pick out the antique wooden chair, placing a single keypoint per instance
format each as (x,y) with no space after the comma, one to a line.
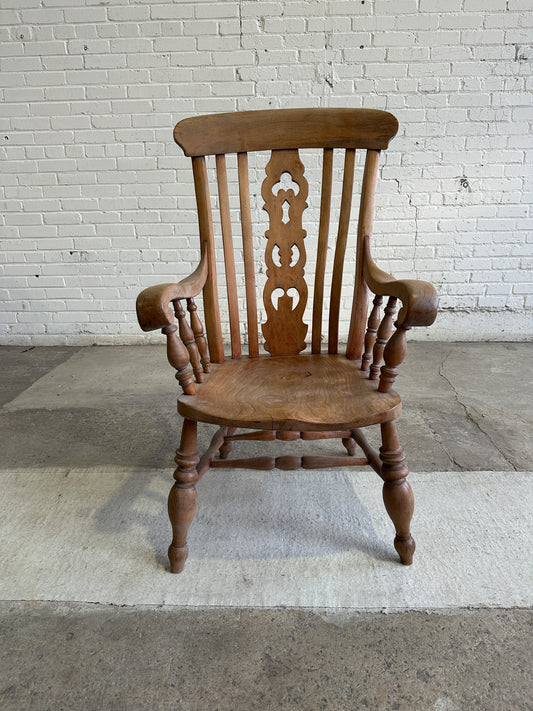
(287,395)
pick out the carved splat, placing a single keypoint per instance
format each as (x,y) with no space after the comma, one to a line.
(284,330)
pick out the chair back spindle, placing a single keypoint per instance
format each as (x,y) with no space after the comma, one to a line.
(248,255)
(207,240)
(322,249)
(229,256)
(364,228)
(340,250)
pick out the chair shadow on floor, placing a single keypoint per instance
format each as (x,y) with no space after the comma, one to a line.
(252,515)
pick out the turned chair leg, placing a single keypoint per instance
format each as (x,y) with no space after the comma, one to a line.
(397,492)
(183,498)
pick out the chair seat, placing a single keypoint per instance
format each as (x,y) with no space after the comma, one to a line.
(303,392)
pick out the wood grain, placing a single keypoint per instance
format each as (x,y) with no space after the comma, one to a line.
(304,392)
(283,129)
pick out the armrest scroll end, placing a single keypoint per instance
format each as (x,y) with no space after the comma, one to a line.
(153,310)
(419,298)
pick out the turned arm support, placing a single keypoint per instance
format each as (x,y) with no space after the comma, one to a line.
(419,308)
(156,308)
(153,309)
(419,298)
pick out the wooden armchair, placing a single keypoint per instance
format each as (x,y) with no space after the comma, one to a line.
(287,395)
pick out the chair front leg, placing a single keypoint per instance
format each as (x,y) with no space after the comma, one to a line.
(397,493)
(183,497)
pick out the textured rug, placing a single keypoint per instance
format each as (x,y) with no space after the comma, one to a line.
(305,539)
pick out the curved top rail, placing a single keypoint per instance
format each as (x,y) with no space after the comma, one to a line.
(281,129)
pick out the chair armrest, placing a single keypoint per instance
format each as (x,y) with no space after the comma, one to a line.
(153,309)
(419,298)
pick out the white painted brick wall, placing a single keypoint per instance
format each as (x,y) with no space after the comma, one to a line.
(97,200)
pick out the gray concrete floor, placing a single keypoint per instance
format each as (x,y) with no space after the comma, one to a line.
(466,407)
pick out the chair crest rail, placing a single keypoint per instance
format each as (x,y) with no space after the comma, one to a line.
(247,131)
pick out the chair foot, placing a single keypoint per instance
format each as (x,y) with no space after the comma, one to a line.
(405,547)
(227,446)
(182,506)
(177,557)
(183,497)
(225,450)
(350,445)
(397,493)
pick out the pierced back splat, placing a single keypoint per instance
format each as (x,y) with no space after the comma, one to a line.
(284,329)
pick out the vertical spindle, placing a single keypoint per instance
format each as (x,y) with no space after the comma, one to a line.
(383,334)
(187,337)
(178,357)
(199,335)
(371,332)
(394,354)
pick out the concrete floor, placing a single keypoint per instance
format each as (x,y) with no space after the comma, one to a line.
(466,407)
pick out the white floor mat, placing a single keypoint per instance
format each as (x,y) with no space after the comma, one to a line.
(263,539)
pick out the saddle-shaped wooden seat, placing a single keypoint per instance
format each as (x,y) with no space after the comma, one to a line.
(294,393)
(298,391)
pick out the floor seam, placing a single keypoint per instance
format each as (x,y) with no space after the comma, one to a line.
(469,416)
